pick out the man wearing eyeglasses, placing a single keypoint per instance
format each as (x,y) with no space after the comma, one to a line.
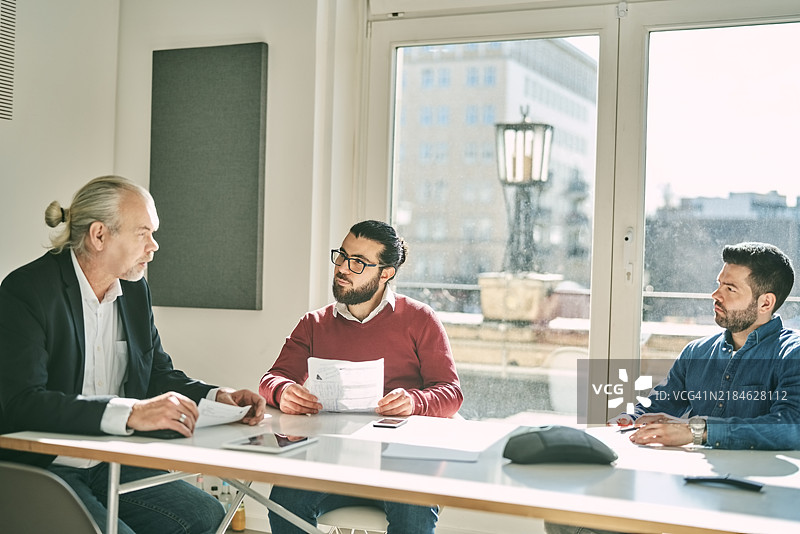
(368,321)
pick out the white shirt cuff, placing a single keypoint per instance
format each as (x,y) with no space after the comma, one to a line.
(115,418)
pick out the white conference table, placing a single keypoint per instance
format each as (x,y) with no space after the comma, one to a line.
(644,491)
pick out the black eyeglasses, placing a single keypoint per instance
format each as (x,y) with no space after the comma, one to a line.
(354,264)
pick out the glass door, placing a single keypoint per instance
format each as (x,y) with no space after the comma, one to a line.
(510,268)
(706,157)
(722,168)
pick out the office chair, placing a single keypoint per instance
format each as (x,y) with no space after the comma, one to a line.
(34,500)
(355,519)
(563,367)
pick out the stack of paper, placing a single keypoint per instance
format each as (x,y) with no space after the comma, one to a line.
(435,438)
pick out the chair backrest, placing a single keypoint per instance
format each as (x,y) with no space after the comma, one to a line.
(355,519)
(34,500)
(563,367)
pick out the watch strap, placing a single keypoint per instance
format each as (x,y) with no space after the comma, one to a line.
(697,430)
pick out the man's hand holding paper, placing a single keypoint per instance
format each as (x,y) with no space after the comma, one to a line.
(396,402)
(297,400)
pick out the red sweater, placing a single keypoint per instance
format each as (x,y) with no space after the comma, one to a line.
(410,339)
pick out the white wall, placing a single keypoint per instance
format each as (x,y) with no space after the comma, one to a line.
(225,346)
(62,130)
(82,109)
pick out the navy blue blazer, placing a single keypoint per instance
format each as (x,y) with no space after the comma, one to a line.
(42,353)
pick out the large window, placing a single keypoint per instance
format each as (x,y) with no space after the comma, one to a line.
(722,167)
(456,214)
(673,134)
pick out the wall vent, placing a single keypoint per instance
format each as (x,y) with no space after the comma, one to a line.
(8,24)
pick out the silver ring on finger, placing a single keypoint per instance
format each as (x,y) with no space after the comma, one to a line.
(182,418)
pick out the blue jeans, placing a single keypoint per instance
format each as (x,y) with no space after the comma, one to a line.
(309,505)
(553,528)
(173,508)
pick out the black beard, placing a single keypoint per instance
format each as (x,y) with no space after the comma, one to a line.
(739,320)
(352,297)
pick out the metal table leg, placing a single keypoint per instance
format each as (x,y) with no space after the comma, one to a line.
(274,507)
(112,507)
(226,521)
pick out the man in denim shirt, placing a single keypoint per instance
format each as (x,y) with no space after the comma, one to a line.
(739,389)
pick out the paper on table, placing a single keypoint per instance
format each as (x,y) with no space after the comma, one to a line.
(218,413)
(435,438)
(343,386)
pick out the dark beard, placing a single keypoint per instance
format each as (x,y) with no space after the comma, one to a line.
(351,297)
(739,320)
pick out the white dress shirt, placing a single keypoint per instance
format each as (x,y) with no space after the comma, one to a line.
(386,300)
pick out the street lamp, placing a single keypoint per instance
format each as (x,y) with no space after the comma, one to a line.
(523,159)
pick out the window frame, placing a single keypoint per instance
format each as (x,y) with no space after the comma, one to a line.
(617,234)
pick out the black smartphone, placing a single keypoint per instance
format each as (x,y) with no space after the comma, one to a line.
(389,422)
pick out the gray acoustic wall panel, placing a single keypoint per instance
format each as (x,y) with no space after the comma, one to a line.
(208,130)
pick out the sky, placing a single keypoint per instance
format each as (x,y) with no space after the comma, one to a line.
(723,112)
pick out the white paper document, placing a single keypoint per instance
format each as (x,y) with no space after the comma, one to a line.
(343,386)
(436,438)
(218,413)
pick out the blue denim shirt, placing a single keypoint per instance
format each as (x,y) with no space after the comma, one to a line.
(751,397)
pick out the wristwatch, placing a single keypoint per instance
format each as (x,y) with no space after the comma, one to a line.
(698,427)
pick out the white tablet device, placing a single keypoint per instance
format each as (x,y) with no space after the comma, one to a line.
(271,443)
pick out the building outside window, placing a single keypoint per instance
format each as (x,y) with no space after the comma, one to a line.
(472,76)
